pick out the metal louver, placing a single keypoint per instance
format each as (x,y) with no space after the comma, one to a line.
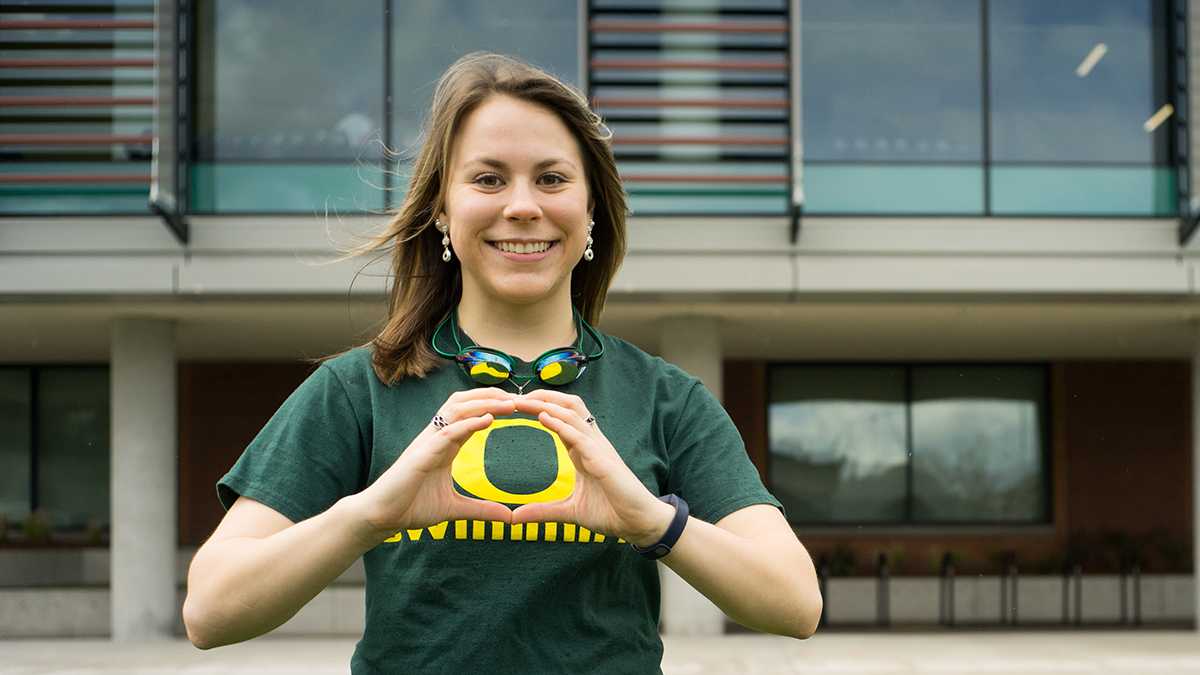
(76,107)
(697,97)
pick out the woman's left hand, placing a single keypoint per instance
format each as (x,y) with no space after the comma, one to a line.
(608,497)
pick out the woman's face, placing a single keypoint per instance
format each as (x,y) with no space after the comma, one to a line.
(517,203)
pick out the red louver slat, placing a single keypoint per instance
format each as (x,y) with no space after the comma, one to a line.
(691,27)
(612,102)
(74,179)
(681,64)
(74,24)
(78,139)
(76,63)
(71,101)
(700,178)
(699,140)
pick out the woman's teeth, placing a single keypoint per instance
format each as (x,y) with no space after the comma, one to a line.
(522,248)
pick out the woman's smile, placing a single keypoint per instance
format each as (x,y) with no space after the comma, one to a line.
(523,251)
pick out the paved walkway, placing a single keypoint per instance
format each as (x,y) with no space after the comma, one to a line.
(996,653)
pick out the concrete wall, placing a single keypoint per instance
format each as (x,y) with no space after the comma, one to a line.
(84,612)
(289,255)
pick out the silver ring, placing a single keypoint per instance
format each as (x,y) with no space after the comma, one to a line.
(590,420)
(440,422)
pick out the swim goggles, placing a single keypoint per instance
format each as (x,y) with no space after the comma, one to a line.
(555,367)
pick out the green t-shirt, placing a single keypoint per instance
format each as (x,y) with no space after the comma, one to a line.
(486,597)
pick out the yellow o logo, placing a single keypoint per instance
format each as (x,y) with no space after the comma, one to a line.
(468,471)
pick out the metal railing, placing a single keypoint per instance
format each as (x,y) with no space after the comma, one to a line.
(1009,575)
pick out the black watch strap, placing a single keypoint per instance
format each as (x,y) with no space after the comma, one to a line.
(663,546)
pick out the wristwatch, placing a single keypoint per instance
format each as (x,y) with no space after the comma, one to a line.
(663,546)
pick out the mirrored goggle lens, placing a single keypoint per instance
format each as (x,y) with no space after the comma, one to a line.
(560,367)
(485,367)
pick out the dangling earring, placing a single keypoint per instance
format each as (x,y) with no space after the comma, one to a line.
(445,239)
(587,253)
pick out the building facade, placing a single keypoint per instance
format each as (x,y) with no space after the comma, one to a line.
(934,256)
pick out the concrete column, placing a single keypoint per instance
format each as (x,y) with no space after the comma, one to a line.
(144,461)
(694,344)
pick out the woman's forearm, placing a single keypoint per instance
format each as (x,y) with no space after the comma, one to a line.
(766,587)
(243,587)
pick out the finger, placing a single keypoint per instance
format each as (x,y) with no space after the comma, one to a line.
(557,397)
(480,393)
(459,411)
(450,438)
(564,414)
(575,439)
(542,512)
(535,406)
(467,508)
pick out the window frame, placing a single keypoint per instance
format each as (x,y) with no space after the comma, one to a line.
(60,535)
(1046,523)
(1164,52)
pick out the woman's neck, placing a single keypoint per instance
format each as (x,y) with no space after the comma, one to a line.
(523,331)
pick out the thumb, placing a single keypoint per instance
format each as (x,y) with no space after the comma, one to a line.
(540,512)
(467,508)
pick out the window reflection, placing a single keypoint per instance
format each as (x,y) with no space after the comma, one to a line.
(295,79)
(1044,109)
(73,445)
(837,442)
(891,80)
(840,444)
(977,444)
(15,437)
(419,55)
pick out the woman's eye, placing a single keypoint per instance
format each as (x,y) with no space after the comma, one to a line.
(554,178)
(488,180)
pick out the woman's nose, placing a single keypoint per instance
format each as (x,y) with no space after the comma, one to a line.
(522,202)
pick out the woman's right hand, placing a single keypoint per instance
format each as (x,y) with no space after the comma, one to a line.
(417,490)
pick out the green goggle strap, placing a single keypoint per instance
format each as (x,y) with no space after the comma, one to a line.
(581,326)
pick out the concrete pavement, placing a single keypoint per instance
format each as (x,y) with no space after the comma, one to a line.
(1096,652)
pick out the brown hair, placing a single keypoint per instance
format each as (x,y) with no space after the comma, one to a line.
(423,288)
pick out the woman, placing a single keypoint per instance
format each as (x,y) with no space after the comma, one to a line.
(495,460)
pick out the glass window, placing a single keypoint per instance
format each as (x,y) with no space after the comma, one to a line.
(1073,84)
(1068,74)
(852,445)
(886,84)
(289,106)
(15,438)
(977,444)
(73,445)
(837,441)
(420,55)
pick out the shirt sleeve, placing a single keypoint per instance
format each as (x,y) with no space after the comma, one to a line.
(310,454)
(710,468)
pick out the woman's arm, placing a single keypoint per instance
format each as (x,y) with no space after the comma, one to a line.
(750,564)
(258,569)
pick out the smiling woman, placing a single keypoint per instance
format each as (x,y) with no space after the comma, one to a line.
(518,210)
(567,459)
